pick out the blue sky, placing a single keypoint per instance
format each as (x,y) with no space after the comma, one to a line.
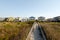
(27,8)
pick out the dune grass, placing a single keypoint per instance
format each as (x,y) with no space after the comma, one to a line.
(52,30)
(14,30)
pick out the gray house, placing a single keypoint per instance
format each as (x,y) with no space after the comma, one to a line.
(2,19)
(57,18)
(31,18)
(41,18)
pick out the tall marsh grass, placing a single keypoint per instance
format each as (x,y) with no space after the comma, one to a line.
(14,30)
(52,30)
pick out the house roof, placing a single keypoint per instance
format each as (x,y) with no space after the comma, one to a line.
(31,17)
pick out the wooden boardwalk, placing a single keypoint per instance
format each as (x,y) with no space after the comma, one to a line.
(35,33)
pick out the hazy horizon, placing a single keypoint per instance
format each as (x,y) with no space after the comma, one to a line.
(27,8)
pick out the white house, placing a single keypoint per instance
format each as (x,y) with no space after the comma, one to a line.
(24,19)
(17,19)
(10,19)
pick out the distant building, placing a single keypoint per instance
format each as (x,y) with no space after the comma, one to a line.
(24,19)
(49,19)
(41,18)
(17,19)
(2,19)
(31,18)
(10,19)
(57,18)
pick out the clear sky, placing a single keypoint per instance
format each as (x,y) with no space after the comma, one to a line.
(27,8)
